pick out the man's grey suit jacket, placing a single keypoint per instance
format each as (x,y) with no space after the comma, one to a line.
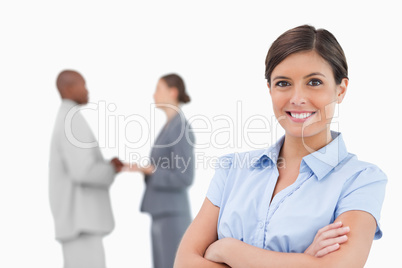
(79,178)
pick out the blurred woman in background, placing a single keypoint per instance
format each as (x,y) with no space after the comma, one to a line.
(170,173)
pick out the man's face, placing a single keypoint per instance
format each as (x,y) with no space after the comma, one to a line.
(79,91)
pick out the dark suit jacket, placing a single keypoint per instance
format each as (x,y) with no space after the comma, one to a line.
(173,158)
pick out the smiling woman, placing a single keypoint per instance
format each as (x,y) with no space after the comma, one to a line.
(306,201)
(304,94)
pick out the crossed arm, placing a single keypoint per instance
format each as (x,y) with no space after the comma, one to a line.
(200,246)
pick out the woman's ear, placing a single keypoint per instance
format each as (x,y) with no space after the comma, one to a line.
(269,87)
(341,90)
(174,93)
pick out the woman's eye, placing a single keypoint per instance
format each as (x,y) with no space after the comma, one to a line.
(282,84)
(314,82)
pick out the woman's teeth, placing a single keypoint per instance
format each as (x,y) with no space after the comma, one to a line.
(301,115)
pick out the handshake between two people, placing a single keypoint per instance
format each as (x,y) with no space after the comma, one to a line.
(119,166)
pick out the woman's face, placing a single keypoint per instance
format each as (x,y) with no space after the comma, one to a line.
(304,94)
(163,95)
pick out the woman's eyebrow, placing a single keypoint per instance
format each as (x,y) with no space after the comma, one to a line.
(307,76)
(281,77)
(313,74)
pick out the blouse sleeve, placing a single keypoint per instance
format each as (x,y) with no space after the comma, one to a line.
(217,184)
(365,191)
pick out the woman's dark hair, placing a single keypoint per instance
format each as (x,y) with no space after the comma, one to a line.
(173,80)
(307,38)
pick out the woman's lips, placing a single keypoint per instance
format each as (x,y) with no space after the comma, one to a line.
(300,117)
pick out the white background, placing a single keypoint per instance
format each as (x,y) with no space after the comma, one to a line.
(219,47)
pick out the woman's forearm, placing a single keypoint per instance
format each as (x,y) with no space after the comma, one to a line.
(200,234)
(239,254)
(194,260)
(352,254)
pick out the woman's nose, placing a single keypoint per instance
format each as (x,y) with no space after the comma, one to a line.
(298,97)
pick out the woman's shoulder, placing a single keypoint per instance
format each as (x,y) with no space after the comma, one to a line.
(362,169)
(244,159)
(179,124)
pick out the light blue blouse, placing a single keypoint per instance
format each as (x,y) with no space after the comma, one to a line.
(331,182)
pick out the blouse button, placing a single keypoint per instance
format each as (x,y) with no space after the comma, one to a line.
(260,224)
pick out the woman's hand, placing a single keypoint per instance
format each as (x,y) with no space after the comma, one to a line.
(328,239)
(130,167)
(148,170)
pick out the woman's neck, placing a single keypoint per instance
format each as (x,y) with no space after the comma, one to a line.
(171,112)
(296,148)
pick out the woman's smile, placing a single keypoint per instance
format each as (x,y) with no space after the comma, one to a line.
(300,116)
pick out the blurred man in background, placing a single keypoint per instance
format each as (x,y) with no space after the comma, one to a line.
(79,180)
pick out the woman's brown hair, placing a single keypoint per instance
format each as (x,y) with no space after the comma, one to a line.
(174,80)
(307,38)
